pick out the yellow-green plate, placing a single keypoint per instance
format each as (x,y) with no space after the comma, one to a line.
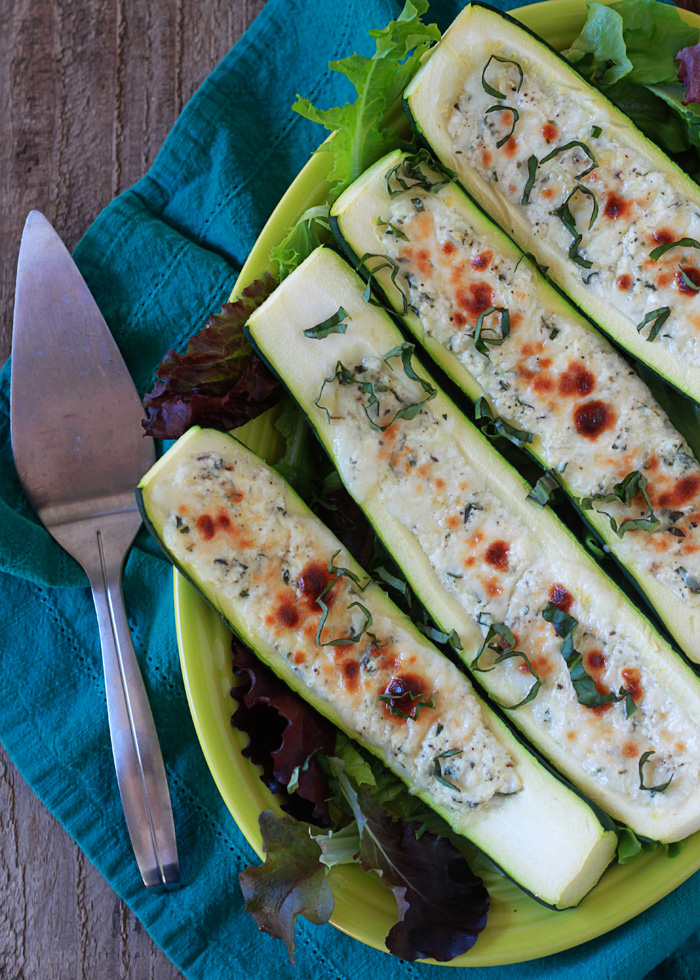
(518,927)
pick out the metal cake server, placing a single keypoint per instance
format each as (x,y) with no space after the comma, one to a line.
(77,443)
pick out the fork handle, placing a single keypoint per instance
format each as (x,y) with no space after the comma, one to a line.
(137,757)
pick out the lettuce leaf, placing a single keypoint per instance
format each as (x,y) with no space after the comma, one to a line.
(689,72)
(439,915)
(301,239)
(369,127)
(629,50)
(285,735)
(291,882)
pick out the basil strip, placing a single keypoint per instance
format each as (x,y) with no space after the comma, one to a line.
(409,169)
(481,342)
(439,636)
(690,581)
(532,165)
(650,789)
(345,377)
(633,484)
(569,221)
(596,131)
(421,702)
(334,324)
(687,280)
(504,61)
(516,116)
(660,250)
(659,317)
(506,652)
(493,425)
(393,230)
(543,489)
(391,580)
(569,146)
(437,769)
(385,263)
(406,351)
(339,573)
(583,683)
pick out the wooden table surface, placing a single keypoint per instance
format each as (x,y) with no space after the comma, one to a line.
(92,90)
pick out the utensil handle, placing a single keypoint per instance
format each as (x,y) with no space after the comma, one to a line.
(137,757)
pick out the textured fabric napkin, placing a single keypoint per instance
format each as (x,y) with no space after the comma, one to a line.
(158,260)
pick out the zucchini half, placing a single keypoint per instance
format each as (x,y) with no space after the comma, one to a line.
(553,323)
(426,480)
(259,556)
(633,181)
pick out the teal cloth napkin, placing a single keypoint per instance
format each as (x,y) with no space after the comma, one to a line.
(158,260)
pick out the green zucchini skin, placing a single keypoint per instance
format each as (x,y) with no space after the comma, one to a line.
(350,217)
(543,797)
(616,325)
(277,328)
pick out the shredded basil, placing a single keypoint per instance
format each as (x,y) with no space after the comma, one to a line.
(650,789)
(437,769)
(385,262)
(409,169)
(660,250)
(493,426)
(420,702)
(346,377)
(569,221)
(595,132)
(583,683)
(505,652)
(543,489)
(469,510)
(391,229)
(439,636)
(532,165)
(569,146)
(481,342)
(657,318)
(633,484)
(389,579)
(690,581)
(334,324)
(339,573)
(687,280)
(504,61)
(516,116)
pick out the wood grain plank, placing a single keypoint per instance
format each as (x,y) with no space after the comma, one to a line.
(89,92)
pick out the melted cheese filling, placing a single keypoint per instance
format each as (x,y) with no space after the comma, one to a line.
(638,209)
(501,573)
(230,517)
(553,378)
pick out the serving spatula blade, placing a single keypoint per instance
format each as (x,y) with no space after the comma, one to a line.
(79,451)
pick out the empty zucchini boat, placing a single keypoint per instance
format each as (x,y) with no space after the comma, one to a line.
(501,331)
(578,668)
(289,589)
(572,180)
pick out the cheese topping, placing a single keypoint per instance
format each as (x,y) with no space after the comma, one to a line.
(395,691)
(551,377)
(500,573)
(636,207)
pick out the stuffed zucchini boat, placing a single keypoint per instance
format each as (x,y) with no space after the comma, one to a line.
(501,331)
(572,180)
(288,588)
(578,668)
